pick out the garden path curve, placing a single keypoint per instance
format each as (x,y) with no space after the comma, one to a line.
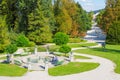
(104,72)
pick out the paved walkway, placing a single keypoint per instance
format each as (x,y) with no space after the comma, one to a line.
(104,72)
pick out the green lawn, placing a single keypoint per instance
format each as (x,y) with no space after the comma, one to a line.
(74,45)
(11,70)
(76,40)
(72,68)
(81,57)
(1,58)
(112,52)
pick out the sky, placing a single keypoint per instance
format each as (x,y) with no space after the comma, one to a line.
(91,5)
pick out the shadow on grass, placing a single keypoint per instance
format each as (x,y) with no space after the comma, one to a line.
(105,50)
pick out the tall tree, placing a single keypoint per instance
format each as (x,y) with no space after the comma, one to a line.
(47,10)
(11,12)
(63,19)
(25,7)
(38,27)
(110,21)
(4,39)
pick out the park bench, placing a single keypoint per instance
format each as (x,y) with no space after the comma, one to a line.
(58,63)
(17,62)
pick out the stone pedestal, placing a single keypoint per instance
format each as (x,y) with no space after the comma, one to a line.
(35,50)
(46,66)
(8,58)
(71,57)
(47,49)
(29,67)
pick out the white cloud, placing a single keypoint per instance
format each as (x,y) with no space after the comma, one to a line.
(89,4)
(84,0)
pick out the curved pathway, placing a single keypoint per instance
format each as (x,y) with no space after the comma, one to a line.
(104,72)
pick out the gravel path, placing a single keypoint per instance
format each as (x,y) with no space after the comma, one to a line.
(104,72)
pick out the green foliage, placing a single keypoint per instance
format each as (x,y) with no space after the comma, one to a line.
(31,44)
(11,48)
(39,20)
(4,37)
(22,41)
(72,68)
(83,18)
(109,21)
(25,7)
(60,38)
(39,27)
(13,37)
(11,18)
(65,49)
(113,34)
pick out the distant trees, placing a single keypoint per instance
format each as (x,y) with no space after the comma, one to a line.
(109,21)
(40,20)
(67,11)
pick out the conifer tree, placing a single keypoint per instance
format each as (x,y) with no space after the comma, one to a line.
(4,38)
(38,28)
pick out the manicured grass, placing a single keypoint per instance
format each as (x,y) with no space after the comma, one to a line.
(41,49)
(111,52)
(11,70)
(55,48)
(1,58)
(81,57)
(72,68)
(76,40)
(73,45)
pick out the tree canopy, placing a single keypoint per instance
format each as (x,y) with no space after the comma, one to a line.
(109,21)
(40,20)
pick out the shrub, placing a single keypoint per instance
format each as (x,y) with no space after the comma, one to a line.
(64,49)
(22,41)
(11,48)
(60,38)
(31,44)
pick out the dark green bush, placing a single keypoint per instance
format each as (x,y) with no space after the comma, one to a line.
(60,38)
(11,48)
(65,49)
(22,41)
